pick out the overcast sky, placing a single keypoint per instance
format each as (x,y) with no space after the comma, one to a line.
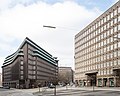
(25,18)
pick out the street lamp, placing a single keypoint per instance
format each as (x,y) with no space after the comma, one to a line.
(49,26)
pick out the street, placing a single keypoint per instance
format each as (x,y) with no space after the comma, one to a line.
(62,91)
(14,92)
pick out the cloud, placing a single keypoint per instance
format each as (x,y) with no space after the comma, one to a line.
(21,21)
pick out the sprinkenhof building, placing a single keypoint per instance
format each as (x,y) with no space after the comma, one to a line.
(97,51)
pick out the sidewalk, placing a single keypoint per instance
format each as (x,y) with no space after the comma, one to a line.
(98,88)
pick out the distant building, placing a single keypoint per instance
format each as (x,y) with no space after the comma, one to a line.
(97,51)
(28,66)
(0,79)
(65,75)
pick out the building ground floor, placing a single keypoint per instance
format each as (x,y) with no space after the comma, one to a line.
(100,82)
(20,84)
(92,79)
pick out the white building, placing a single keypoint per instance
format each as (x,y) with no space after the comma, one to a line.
(0,79)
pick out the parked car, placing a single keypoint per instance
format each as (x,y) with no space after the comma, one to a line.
(6,87)
(1,86)
(51,86)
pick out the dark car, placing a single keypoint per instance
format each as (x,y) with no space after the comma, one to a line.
(6,87)
(1,86)
(51,86)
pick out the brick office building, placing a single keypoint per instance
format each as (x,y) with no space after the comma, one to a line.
(28,66)
(65,75)
(97,51)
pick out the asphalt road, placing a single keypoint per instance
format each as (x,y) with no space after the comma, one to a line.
(62,91)
(14,92)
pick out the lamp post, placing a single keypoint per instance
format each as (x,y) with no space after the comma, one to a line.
(56,72)
(55,58)
(49,26)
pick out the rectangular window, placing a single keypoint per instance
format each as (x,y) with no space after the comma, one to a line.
(115,62)
(21,67)
(111,14)
(21,72)
(115,12)
(21,77)
(21,62)
(108,17)
(119,10)
(118,62)
(118,18)
(111,23)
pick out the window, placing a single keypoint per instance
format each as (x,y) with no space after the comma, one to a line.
(108,48)
(104,42)
(111,63)
(115,20)
(21,62)
(101,21)
(115,45)
(115,54)
(118,62)
(108,25)
(21,67)
(112,31)
(118,18)
(104,72)
(119,10)
(111,71)
(107,56)
(115,29)
(115,12)
(111,14)
(107,64)
(115,62)
(21,77)
(108,17)
(108,32)
(34,67)
(107,71)
(118,27)
(21,72)
(118,44)
(33,62)
(105,19)
(111,22)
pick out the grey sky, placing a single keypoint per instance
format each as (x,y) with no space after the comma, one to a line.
(19,19)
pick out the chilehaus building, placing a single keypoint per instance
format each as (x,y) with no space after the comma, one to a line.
(97,51)
(29,66)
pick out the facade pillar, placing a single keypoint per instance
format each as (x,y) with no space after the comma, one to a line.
(27,82)
(115,81)
(108,82)
(87,83)
(97,82)
(102,81)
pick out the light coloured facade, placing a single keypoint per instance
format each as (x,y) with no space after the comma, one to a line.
(0,79)
(97,51)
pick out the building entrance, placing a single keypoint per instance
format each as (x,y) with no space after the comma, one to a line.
(116,75)
(91,79)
